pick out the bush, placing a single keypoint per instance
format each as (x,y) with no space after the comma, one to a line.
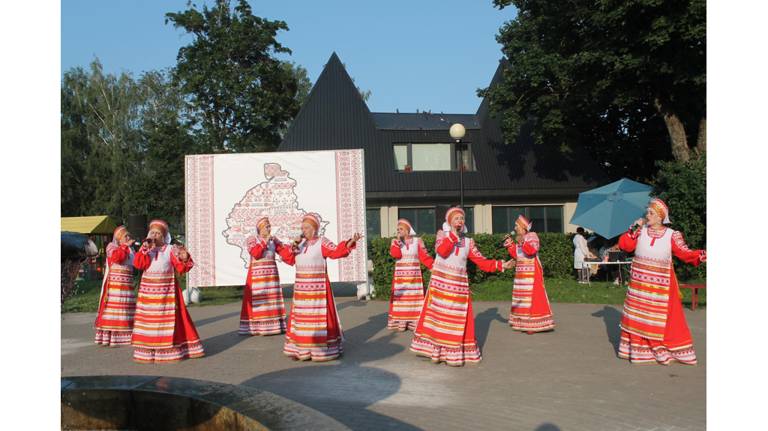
(683,186)
(556,256)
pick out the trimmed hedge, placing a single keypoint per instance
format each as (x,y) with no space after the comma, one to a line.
(556,256)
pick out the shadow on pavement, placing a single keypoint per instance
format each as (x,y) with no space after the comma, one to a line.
(483,324)
(213,319)
(547,427)
(611,318)
(343,389)
(219,343)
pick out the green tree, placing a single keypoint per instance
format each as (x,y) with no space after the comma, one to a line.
(167,141)
(683,187)
(624,79)
(101,143)
(123,144)
(241,96)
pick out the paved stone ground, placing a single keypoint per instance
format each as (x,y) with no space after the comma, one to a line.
(569,379)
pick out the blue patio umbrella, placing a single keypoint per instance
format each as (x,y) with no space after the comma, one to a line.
(609,210)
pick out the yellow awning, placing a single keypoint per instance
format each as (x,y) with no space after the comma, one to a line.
(89,225)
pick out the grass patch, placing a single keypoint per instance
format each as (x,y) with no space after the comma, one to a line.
(220,295)
(570,291)
(85,298)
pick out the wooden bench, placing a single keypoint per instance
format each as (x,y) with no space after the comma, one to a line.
(694,292)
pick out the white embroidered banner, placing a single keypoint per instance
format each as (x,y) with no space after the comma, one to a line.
(227,193)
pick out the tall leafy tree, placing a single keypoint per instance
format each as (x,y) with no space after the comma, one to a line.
(101,143)
(167,140)
(241,95)
(625,79)
(123,144)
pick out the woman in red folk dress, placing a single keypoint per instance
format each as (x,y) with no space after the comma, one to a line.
(314,331)
(117,304)
(263,311)
(653,326)
(446,327)
(530,311)
(163,330)
(407,296)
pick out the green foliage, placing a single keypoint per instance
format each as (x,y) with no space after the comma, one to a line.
(123,145)
(123,139)
(556,256)
(602,76)
(683,187)
(241,96)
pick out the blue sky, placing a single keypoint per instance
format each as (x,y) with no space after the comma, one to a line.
(418,54)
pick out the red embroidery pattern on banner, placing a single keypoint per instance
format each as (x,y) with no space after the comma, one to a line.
(274,198)
(199,208)
(350,210)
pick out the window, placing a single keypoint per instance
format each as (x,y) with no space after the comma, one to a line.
(432,157)
(544,218)
(373,222)
(401,157)
(422,219)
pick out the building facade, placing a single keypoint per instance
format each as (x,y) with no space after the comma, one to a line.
(412,165)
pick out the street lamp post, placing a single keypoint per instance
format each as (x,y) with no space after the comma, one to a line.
(457,132)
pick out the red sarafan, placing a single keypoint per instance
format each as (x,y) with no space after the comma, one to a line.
(314,329)
(446,328)
(117,303)
(407,297)
(530,311)
(653,326)
(263,310)
(163,331)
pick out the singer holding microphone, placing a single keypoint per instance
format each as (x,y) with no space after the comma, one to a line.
(530,311)
(653,326)
(446,328)
(163,331)
(117,304)
(407,296)
(263,310)
(314,330)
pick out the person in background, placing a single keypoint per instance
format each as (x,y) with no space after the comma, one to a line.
(612,271)
(580,252)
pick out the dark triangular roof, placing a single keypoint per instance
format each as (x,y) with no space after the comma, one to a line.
(334,115)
